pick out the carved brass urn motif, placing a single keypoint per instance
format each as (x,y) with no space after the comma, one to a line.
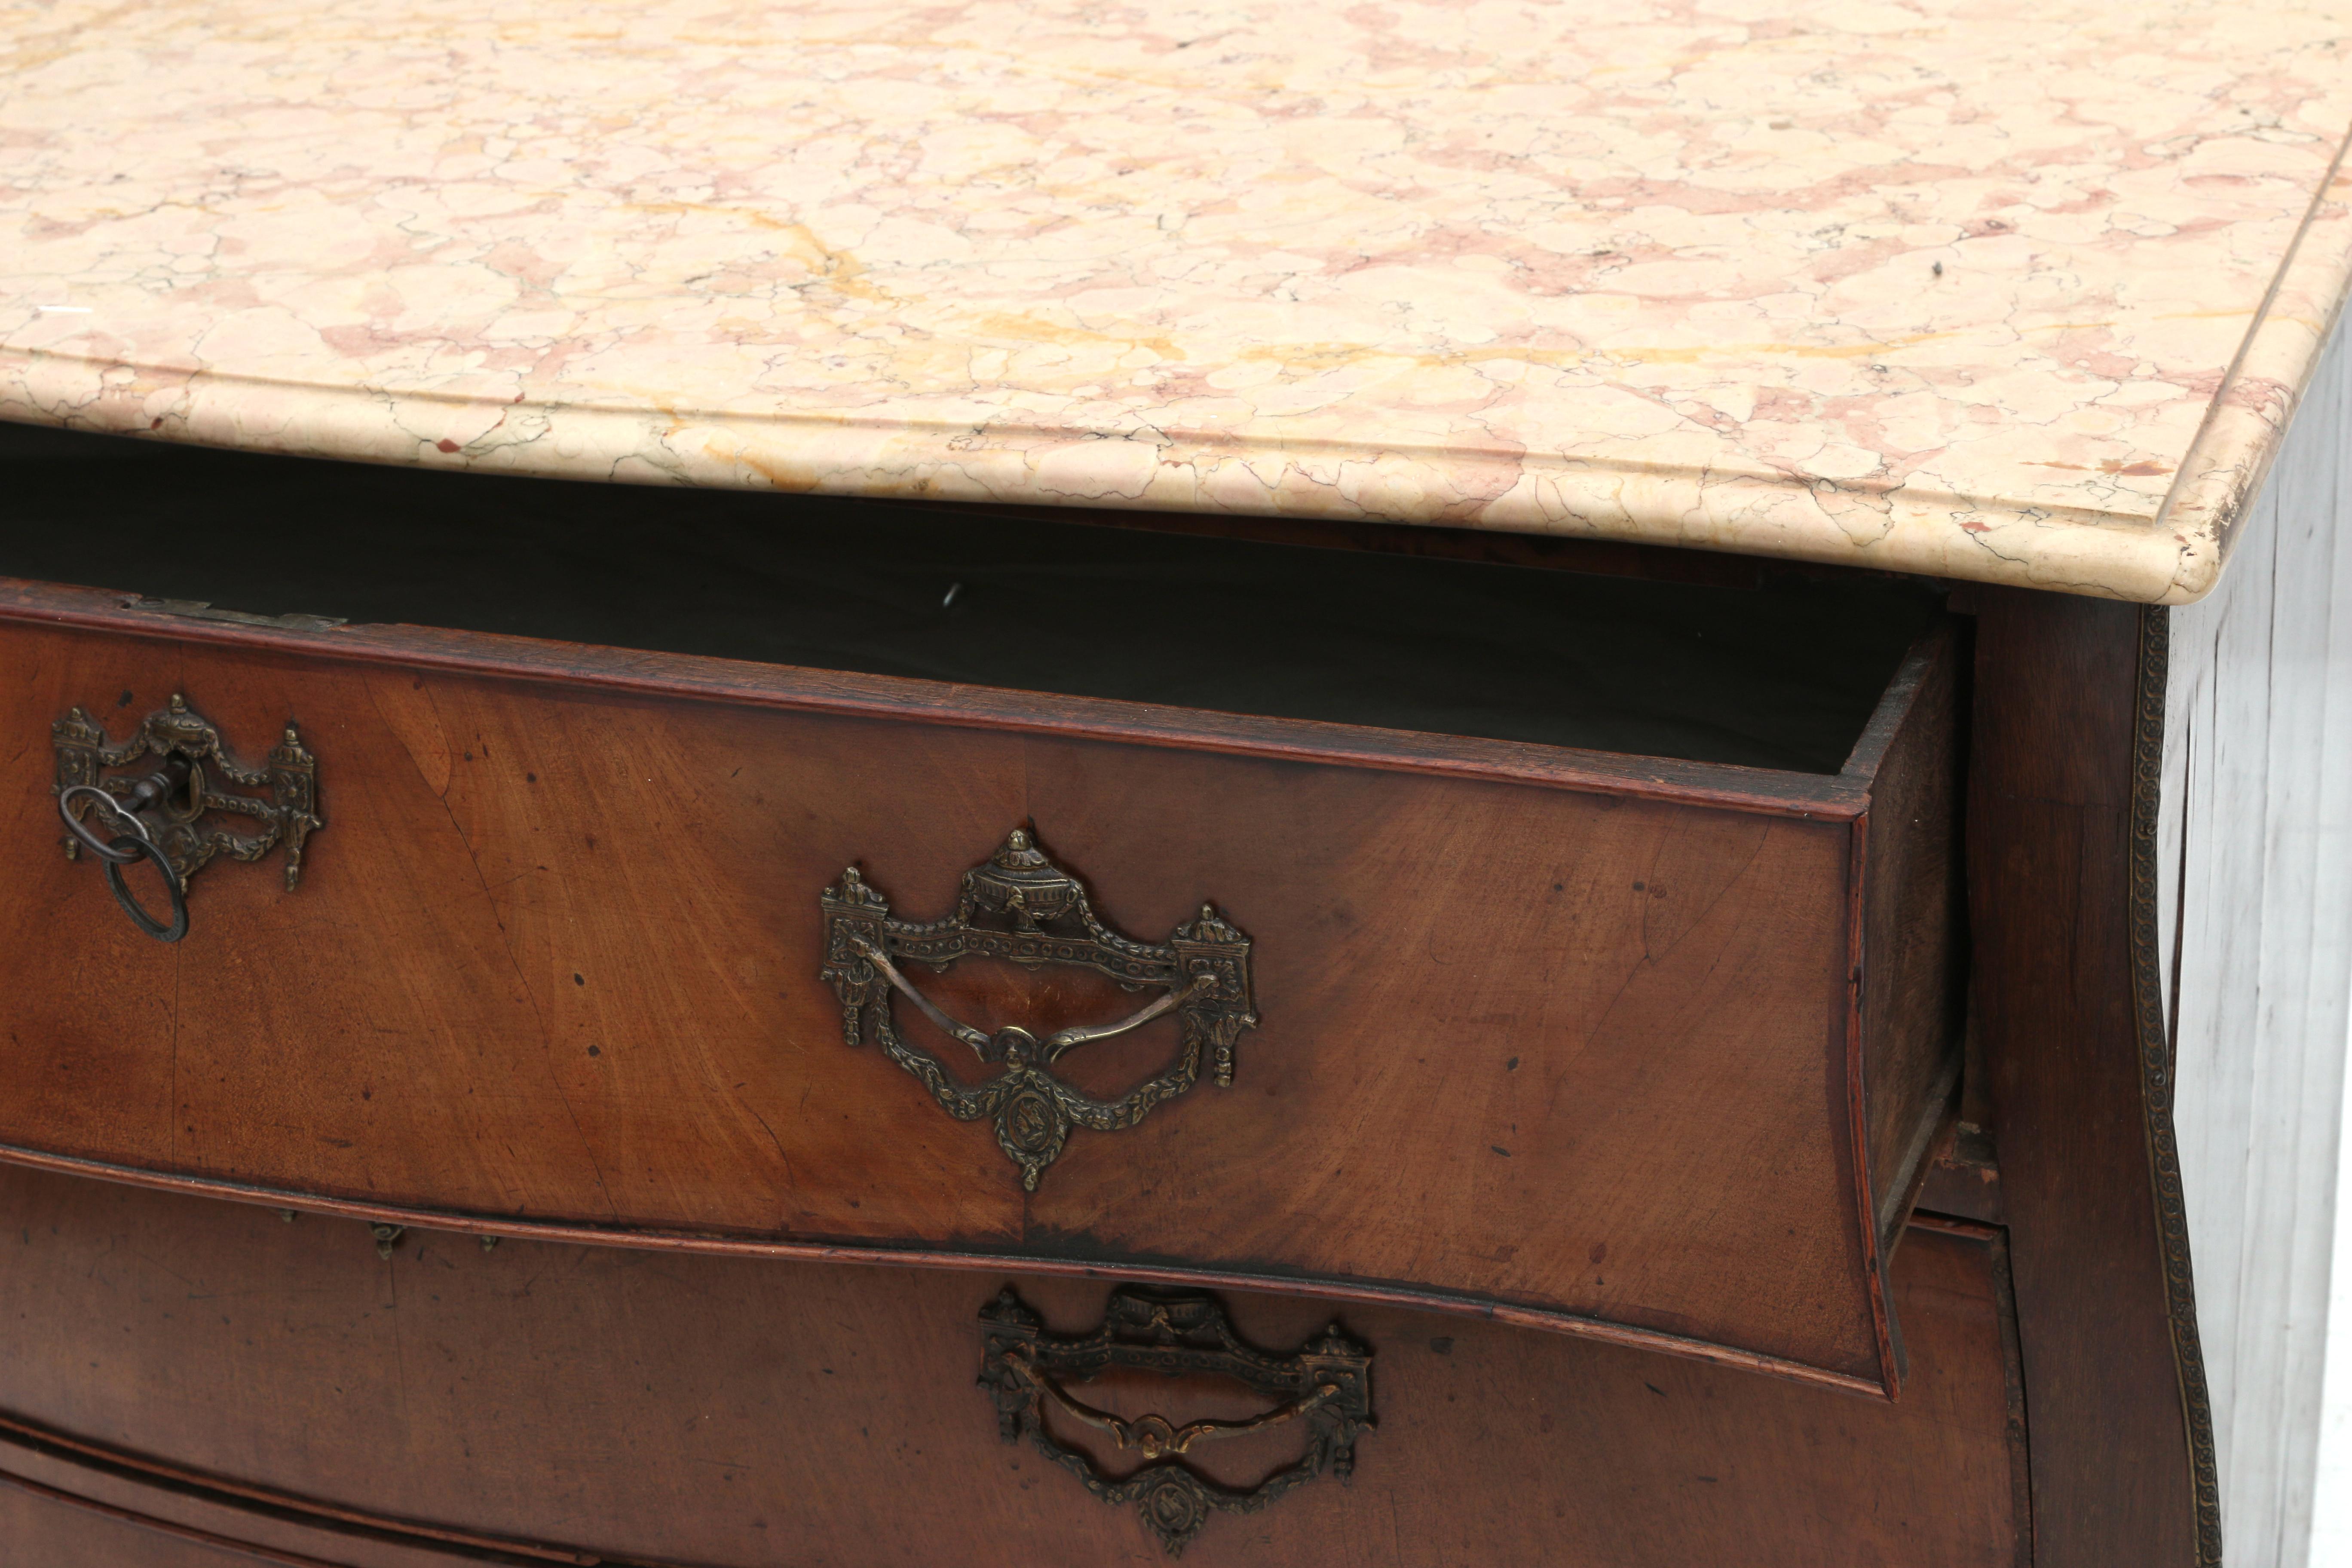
(1019,906)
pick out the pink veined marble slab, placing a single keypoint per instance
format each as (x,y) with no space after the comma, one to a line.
(2018,290)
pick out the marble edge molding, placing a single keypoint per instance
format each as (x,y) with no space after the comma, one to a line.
(2245,424)
(2175,557)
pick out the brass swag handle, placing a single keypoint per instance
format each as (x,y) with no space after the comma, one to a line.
(1327,1384)
(161,814)
(1007,1041)
(1154,1437)
(1019,906)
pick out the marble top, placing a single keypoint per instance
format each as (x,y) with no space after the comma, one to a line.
(2014,291)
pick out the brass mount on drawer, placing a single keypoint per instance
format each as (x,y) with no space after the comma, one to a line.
(161,814)
(1019,906)
(1327,1384)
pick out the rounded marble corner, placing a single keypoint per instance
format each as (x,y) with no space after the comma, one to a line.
(2198,573)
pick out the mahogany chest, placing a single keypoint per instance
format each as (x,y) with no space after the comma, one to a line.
(1201,977)
(1010,782)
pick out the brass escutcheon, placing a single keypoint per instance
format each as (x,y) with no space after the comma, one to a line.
(1325,1384)
(159,813)
(1019,905)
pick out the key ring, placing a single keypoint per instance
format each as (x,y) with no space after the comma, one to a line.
(100,848)
(144,848)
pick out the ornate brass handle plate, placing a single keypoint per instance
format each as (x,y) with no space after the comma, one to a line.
(1021,906)
(1326,1385)
(159,813)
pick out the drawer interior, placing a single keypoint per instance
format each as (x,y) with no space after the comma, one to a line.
(1784,674)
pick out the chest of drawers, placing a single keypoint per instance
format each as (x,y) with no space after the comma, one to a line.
(846,785)
(594,943)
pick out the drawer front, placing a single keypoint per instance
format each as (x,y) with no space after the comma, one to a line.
(742,1412)
(1589,1056)
(58,1532)
(118,1521)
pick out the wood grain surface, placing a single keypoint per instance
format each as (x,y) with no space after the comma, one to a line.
(59,1532)
(610,1404)
(1911,928)
(1583,1052)
(2050,812)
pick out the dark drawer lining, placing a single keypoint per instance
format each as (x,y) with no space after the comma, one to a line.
(1784,675)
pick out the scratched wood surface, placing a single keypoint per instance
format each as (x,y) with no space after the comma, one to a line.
(555,957)
(731,1412)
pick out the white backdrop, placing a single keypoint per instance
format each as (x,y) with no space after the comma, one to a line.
(2256,850)
(2331,1536)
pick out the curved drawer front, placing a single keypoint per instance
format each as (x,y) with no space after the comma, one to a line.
(1636,1049)
(573,1403)
(69,1515)
(58,1532)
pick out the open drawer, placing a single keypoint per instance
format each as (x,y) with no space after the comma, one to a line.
(1630,1012)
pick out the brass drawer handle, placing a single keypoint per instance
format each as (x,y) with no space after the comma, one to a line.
(1005,1042)
(1019,906)
(1327,1383)
(159,815)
